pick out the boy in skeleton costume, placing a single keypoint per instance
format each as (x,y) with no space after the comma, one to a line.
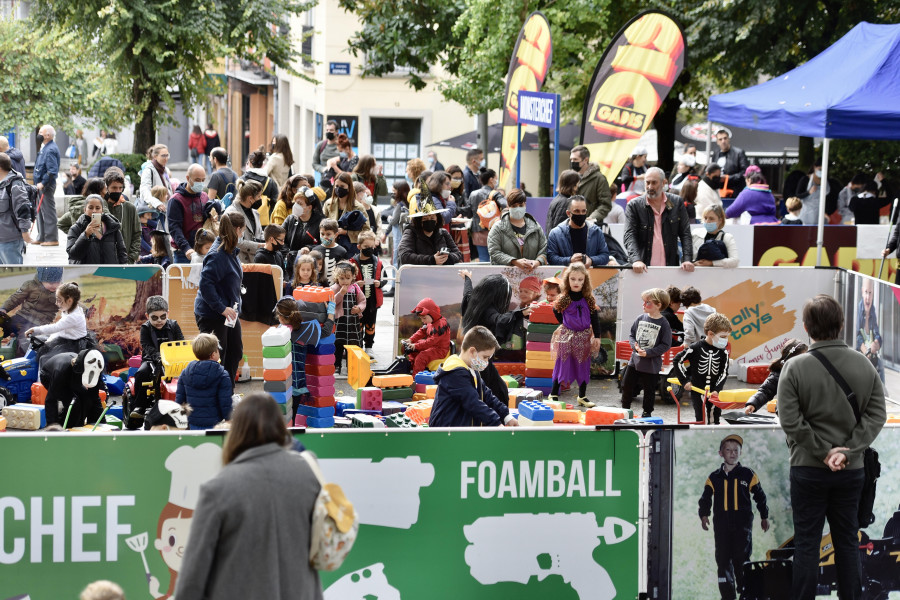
(705,363)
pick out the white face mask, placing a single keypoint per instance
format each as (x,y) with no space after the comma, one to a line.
(298,211)
(445,194)
(720,342)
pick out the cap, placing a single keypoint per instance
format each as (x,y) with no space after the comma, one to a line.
(146,208)
(732,438)
(554,279)
(49,274)
(639,151)
(191,468)
(530,283)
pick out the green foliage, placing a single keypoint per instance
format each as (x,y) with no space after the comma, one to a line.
(132,164)
(50,76)
(846,157)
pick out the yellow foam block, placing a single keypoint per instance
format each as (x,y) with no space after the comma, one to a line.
(417,397)
(430,391)
(540,364)
(526,422)
(531,355)
(739,395)
(771,405)
(566,416)
(387,381)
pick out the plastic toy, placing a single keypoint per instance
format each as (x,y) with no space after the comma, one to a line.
(25,416)
(535,411)
(605,415)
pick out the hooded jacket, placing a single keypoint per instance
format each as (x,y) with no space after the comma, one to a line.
(639,223)
(694,319)
(462,399)
(179,218)
(504,246)
(108,250)
(206,387)
(15,208)
(559,245)
(595,189)
(434,335)
(17,159)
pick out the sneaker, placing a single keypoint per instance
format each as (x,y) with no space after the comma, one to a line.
(49,243)
(137,413)
(646,415)
(582,401)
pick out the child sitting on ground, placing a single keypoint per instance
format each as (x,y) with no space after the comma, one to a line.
(695,315)
(349,304)
(651,337)
(462,398)
(769,387)
(157,329)
(69,330)
(369,274)
(205,385)
(270,254)
(331,252)
(705,364)
(432,340)
(793,205)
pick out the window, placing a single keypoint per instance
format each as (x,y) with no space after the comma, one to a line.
(394,142)
(307,33)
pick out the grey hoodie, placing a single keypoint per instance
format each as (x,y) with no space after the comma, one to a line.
(15,210)
(18,161)
(694,319)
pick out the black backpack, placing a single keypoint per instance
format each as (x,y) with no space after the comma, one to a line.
(34,197)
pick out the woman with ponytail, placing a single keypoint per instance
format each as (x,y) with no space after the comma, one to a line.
(218,299)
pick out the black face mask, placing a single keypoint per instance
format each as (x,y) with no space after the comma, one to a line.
(113,196)
(256,205)
(579,220)
(329,135)
(276,246)
(575,166)
(429,226)
(341,192)
(366,252)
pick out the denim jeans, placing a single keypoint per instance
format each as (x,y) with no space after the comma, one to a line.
(816,494)
(12,253)
(484,256)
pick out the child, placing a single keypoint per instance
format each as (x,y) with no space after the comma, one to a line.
(529,291)
(671,314)
(866,205)
(707,365)
(146,214)
(34,303)
(432,340)
(769,387)
(578,337)
(159,250)
(205,385)
(303,333)
(462,398)
(349,304)
(370,273)
(320,268)
(69,329)
(727,494)
(305,271)
(157,329)
(552,289)
(161,193)
(793,205)
(331,252)
(651,337)
(695,315)
(270,254)
(203,241)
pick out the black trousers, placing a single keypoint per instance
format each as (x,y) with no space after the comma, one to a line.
(817,494)
(143,375)
(733,548)
(230,341)
(633,379)
(367,320)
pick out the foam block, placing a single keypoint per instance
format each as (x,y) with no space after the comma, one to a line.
(772,405)
(320,359)
(320,401)
(392,407)
(425,377)
(544,363)
(369,398)
(402,393)
(168,389)
(277,364)
(313,293)
(320,422)
(342,422)
(131,372)
(25,416)
(420,388)
(544,382)
(313,411)
(542,313)
(536,411)
(533,327)
(277,374)
(321,349)
(328,340)
(115,411)
(324,390)
(420,412)
(531,355)
(278,386)
(606,415)
(300,420)
(511,382)
(537,347)
(526,422)
(38,393)
(640,421)
(341,406)
(366,422)
(319,380)
(280,397)
(418,397)
(400,421)
(276,351)
(358,411)
(276,336)
(392,381)
(538,373)
(430,391)
(566,416)
(135,361)
(320,369)
(2,423)
(505,368)
(538,337)
(757,374)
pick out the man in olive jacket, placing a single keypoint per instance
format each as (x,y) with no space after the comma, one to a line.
(593,185)
(827,444)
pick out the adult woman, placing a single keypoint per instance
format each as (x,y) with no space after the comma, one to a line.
(280,160)
(343,200)
(196,144)
(712,246)
(368,172)
(414,169)
(110,144)
(442,196)
(517,239)
(689,197)
(346,160)
(286,198)
(236,549)
(566,187)
(633,172)
(301,228)
(809,189)
(247,204)
(154,173)
(219,295)
(458,192)
(457,187)
(96,241)
(99,148)
(399,217)
(94,185)
(756,199)
(425,242)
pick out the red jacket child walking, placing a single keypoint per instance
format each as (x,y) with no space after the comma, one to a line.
(432,340)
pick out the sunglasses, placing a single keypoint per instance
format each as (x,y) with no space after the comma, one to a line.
(162,317)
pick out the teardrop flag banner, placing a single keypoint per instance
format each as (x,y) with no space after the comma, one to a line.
(527,70)
(632,79)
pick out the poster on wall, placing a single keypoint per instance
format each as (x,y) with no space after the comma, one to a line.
(461,514)
(348,125)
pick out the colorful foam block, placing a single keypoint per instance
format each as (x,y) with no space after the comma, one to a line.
(526,422)
(538,337)
(342,405)
(320,369)
(278,374)
(300,420)
(369,398)
(392,407)
(536,411)
(281,397)
(320,422)
(277,364)
(38,393)
(542,313)
(533,327)
(430,391)
(537,347)
(640,421)
(772,405)
(25,416)
(168,389)
(420,412)
(319,380)
(555,404)
(320,401)
(400,421)
(531,355)
(392,381)
(547,363)
(542,382)
(511,382)
(425,377)
(324,390)
(342,422)
(755,373)
(320,359)
(402,393)
(115,411)
(359,367)
(510,368)
(321,349)
(327,340)
(314,411)
(278,386)
(605,415)
(276,351)
(132,371)
(538,373)
(135,361)
(737,395)
(366,422)
(566,416)
(358,411)
(420,388)
(311,293)
(2,423)
(276,336)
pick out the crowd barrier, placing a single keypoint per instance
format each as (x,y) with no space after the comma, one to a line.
(559,513)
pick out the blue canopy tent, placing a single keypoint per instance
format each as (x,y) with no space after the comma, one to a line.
(849,91)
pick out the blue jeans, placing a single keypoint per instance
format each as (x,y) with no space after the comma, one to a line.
(483,255)
(12,253)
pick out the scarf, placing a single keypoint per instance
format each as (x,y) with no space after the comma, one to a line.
(159,169)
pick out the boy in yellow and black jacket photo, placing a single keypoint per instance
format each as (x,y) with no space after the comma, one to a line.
(727,494)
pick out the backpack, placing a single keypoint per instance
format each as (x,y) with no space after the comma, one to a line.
(34,198)
(488,211)
(335,523)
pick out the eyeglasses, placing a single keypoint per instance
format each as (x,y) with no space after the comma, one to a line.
(162,317)
(164,156)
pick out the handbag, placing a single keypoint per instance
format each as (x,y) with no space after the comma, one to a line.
(335,523)
(871,466)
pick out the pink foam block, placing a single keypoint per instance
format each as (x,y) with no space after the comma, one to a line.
(135,361)
(320,359)
(325,390)
(370,398)
(537,346)
(300,420)
(319,380)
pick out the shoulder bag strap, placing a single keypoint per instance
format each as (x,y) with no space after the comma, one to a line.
(851,397)
(314,466)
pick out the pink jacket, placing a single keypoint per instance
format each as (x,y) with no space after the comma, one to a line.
(339,299)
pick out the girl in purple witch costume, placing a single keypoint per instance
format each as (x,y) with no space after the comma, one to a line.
(579,336)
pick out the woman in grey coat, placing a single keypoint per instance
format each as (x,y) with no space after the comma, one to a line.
(517,239)
(251,531)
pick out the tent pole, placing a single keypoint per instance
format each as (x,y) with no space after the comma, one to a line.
(708,142)
(823,188)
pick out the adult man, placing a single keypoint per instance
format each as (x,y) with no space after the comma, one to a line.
(576,240)
(827,438)
(15,222)
(707,193)
(654,223)
(434,165)
(186,212)
(470,172)
(593,185)
(327,148)
(732,160)
(223,179)
(46,170)
(124,211)
(15,156)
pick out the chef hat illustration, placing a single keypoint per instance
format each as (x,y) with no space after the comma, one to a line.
(191,468)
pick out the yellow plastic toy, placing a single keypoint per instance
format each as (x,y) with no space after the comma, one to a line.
(359,367)
(175,357)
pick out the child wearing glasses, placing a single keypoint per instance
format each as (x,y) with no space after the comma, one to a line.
(157,329)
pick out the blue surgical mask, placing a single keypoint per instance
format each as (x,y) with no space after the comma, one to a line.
(410,181)
(483,163)
(197,187)
(710,227)
(517,213)
(327,242)
(720,343)
(819,173)
(343,154)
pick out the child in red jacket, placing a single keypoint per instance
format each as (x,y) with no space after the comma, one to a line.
(432,340)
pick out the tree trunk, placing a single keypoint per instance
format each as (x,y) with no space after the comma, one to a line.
(665,132)
(145,128)
(546,160)
(806,154)
(143,290)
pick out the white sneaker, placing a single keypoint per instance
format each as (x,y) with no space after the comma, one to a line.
(236,399)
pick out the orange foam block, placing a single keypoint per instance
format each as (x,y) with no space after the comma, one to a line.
(419,412)
(389,381)
(542,313)
(566,416)
(430,391)
(511,368)
(38,393)
(278,374)
(419,397)
(605,415)
(319,370)
(2,423)
(313,294)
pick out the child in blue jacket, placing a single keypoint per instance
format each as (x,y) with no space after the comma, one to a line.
(205,385)
(462,399)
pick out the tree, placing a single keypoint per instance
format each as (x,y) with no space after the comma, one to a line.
(157,49)
(43,81)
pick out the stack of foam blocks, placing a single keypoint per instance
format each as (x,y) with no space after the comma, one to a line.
(535,414)
(538,360)
(277,365)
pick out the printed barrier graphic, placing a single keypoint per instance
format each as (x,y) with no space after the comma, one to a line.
(475,514)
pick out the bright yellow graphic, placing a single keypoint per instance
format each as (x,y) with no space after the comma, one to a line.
(755,318)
